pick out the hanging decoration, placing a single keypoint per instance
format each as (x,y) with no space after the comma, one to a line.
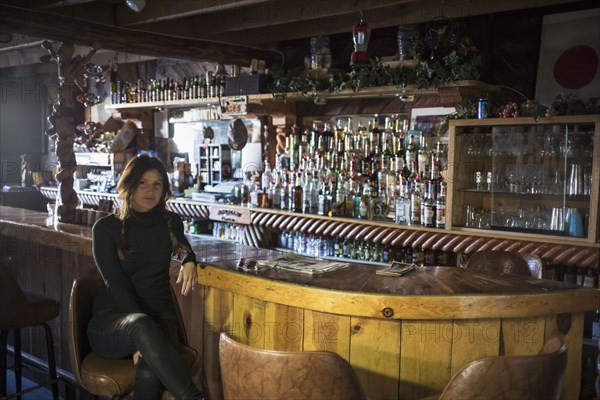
(361,32)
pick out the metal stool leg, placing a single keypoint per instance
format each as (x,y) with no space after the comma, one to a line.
(3,362)
(18,362)
(51,361)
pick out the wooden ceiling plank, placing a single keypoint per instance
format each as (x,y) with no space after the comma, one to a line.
(156,11)
(35,23)
(273,13)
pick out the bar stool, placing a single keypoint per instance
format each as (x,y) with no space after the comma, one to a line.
(538,376)
(250,373)
(102,376)
(21,310)
(507,262)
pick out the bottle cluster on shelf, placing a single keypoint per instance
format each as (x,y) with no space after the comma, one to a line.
(226,230)
(586,277)
(359,250)
(389,174)
(141,91)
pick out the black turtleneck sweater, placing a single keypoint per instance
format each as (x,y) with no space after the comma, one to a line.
(140,283)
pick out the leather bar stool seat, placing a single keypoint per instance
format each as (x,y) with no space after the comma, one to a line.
(102,376)
(507,262)
(250,373)
(538,376)
(21,310)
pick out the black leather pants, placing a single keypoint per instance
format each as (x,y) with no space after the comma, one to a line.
(120,335)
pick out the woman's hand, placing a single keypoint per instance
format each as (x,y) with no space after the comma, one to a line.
(187,277)
(136,357)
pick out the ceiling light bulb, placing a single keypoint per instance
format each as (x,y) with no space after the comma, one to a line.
(136,5)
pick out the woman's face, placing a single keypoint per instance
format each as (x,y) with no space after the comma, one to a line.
(148,192)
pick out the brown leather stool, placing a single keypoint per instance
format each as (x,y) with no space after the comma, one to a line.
(250,373)
(507,262)
(538,376)
(21,310)
(102,376)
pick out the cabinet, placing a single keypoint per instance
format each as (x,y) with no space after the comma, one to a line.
(527,176)
(214,163)
(99,171)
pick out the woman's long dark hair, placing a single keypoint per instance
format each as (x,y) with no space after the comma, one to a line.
(128,183)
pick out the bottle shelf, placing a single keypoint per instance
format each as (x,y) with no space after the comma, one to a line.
(527,194)
(406,93)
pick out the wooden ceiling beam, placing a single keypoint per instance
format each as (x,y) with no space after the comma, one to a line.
(157,11)
(61,28)
(272,13)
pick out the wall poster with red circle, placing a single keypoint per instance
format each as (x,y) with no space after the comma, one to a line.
(569,56)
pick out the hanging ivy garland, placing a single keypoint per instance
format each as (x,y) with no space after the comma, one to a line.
(462,63)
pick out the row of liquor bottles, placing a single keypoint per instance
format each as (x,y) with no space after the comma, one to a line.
(365,173)
(409,202)
(141,91)
(363,150)
(359,250)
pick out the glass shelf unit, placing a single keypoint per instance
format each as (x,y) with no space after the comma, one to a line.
(521,175)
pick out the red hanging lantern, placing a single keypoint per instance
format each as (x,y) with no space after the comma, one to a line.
(361,33)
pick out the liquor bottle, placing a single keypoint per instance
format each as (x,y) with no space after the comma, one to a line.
(339,208)
(424,157)
(380,203)
(322,208)
(276,190)
(411,152)
(314,195)
(339,137)
(392,191)
(364,200)
(349,135)
(306,194)
(362,136)
(245,193)
(351,191)
(254,190)
(428,206)
(400,130)
(403,204)
(266,175)
(440,207)
(415,206)
(374,133)
(435,162)
(291,205)
(283,193)
(298,194)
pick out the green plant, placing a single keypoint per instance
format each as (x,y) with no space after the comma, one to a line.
(463,63)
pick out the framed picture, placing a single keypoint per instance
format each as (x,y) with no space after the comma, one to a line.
(427,120)
(569,56)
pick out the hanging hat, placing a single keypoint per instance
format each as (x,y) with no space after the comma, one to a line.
(208,133)
(237,135)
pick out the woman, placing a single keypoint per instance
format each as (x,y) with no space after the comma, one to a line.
(133,314)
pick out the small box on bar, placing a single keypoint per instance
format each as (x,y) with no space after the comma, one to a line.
(246,84)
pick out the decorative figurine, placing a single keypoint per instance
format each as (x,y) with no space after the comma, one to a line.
(25,171)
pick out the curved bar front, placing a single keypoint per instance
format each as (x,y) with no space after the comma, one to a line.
(404,336)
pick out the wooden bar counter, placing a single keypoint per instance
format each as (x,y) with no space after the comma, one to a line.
(404,336)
